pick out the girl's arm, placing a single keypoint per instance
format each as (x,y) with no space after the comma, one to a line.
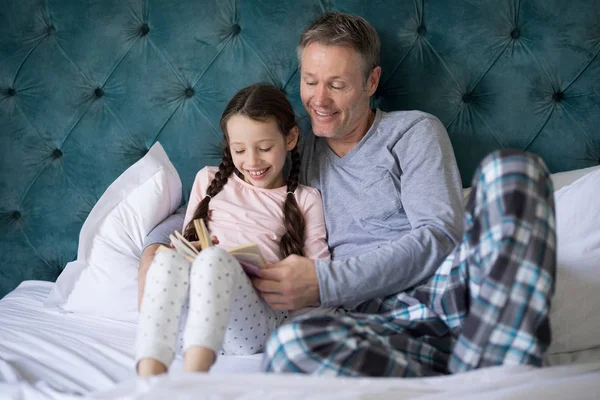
(145,262)
(300,272)
(315,237)
(159,235)
(203,179)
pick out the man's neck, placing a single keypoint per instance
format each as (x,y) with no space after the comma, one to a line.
(343,146)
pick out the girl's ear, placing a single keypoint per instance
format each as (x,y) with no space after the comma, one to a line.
(292,138)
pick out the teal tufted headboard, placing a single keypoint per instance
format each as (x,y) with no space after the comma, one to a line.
(86,87)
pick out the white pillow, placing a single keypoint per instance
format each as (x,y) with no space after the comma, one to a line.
(103,279)
(575,312)
(559,179)
(562,179)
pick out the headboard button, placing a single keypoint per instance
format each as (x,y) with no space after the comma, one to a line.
(144,29)
(421,30)
(558,96)
(189,92)
(12,92)
(515,33)
(98,92)
(235,29)
(57,154)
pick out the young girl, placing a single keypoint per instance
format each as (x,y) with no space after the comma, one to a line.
(246,199)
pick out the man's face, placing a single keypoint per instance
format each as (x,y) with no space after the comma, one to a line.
(334,91)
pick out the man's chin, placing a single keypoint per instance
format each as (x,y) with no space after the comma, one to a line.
(324,133)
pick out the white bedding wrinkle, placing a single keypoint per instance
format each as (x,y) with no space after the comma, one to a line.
(72,353)
(516,382)
(69,353)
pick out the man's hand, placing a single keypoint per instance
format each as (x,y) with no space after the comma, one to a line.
(289,284)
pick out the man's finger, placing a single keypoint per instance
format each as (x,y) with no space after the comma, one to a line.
(266,286)
(276,301)
(271,274)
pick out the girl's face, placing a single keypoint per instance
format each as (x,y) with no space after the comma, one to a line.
(259,149)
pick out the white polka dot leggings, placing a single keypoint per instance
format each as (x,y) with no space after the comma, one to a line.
(224,311)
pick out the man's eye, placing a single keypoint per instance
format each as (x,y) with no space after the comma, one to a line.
(337,87)
(265,150)
(311,83)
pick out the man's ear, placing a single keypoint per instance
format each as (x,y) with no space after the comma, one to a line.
(373,81)
(292,138)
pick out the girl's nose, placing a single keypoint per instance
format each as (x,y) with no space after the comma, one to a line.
(252,157)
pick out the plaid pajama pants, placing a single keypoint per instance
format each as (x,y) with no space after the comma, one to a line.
(487,304)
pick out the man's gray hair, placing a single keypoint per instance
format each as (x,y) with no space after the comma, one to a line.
(341,29)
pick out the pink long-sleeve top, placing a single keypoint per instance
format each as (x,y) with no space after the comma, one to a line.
(243,213)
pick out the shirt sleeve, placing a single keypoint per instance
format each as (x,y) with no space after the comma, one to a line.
(315,234)
(160,233)
(431,197)
(197,193)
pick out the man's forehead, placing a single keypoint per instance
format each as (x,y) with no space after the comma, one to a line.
(338,49)
(310,74)
(338,61)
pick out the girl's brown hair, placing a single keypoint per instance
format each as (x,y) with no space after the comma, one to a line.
(260,103)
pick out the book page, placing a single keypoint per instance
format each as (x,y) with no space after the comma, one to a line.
(250,258)
(183,247)
(203,234)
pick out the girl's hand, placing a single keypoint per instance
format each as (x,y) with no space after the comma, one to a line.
(196,243)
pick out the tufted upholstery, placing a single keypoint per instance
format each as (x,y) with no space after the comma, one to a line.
(86,87)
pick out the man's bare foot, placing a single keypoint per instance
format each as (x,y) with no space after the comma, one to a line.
(198,359)
(150,367)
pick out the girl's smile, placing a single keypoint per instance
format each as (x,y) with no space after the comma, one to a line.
(259,149)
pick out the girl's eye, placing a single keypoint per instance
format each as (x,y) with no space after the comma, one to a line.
(265,150)
(238,151)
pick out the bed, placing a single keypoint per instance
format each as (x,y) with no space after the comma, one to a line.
(48,354)
(108,109)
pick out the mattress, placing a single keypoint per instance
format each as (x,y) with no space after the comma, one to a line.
(48,354)
(47,351)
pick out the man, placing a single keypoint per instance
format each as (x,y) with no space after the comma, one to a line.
(392,203)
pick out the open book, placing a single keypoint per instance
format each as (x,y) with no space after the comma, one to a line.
(248,255)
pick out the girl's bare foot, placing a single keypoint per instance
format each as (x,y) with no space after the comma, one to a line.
(150,367)
(198,359)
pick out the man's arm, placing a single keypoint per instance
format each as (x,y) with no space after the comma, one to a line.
(431,197)
(159,235)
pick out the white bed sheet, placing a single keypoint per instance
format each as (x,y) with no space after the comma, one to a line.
(515,383)
(47,354)
(46,350)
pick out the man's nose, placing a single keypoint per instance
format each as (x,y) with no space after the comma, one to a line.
(321,97)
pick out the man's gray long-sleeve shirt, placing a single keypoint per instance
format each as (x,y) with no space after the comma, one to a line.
(392,207)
